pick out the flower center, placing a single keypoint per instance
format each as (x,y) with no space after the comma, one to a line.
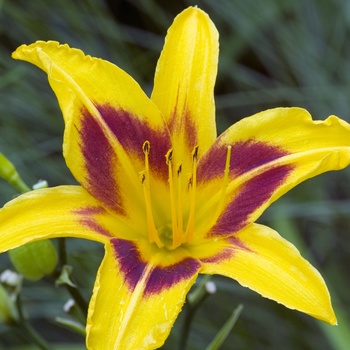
(175,182)
(176,233)
(179,234)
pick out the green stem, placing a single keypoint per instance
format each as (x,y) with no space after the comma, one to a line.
(79,299)
(73,291)
(19,185)
(225,330)
(9,173)
(26,328)
(62,251)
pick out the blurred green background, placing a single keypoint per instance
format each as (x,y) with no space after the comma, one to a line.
(272,53)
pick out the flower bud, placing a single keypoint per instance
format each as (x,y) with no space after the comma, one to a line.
(7,170)
(8,312)
(34,260)
(9,173)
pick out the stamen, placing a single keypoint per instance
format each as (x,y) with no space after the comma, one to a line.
(179,200)
(177,235)
(189,235)
(174,222)
(152,230)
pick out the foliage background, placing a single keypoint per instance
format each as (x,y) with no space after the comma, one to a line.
(273,53)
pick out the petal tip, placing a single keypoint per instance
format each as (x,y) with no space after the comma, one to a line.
(22,51)
(326,314)
(194,12)
(332,319)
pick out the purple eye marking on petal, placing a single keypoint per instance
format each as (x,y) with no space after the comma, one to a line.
(86,218)
(165,277)
(132,267)
(184,121)
(90,211)
(245,156)
(131,131)
(191,133)
(251,196)
(227,252)
(100,161)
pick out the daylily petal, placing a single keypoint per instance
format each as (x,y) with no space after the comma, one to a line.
(260,259)
(135,302)
(166,199)
(108,118)
(271,152)
(54,212)
(185,78)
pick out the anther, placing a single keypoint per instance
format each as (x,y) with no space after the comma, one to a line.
(169,156)
(195,153)
(146,147)
(190,181)
(142,177)
(179,169)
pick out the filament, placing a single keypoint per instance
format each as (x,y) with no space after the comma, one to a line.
(192,185)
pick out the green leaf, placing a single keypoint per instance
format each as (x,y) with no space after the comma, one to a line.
(72,325)
(64,277)
(226,329)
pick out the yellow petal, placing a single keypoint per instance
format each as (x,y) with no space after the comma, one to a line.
(185,78)
(271,152)
(136,301)
(49,213)
(108,118)
(260,259)
(81,79)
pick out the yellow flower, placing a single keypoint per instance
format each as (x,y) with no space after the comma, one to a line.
(167,198)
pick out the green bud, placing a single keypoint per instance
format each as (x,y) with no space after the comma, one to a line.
(7,170)
(8,312)
(34,260)
(9,173)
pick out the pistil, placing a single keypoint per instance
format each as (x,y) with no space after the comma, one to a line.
(175,215)
(145,179)
(189,235)
(179,207)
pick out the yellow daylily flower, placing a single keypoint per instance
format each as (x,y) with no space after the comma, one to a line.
(167,198)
